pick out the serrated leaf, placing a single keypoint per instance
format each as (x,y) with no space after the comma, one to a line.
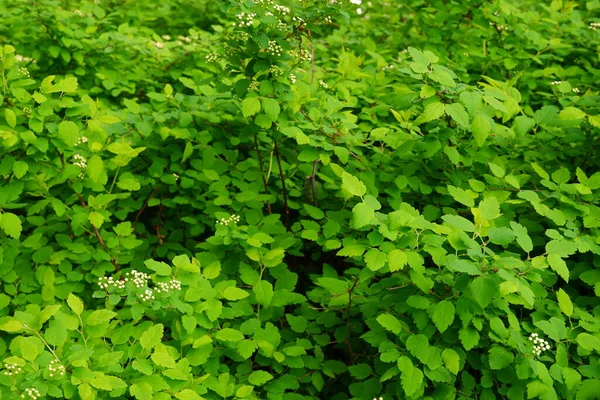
(389,322)
(481,128)
(152,336)
(11,117)
(95,168)
(523,238)
(564,302)
(451,360)
(11,224)
(375,259)
(353,185)
(100,316)
(362,215)
(412,381)
(559,266)
(457,112)
(263,291)
(233,294)
(271,107)
(397,260)
(442,314)
(68,132)
(250,106)
(75,304)
(259,378)
(229,335)
(159,267)
(461,196)
(499,357)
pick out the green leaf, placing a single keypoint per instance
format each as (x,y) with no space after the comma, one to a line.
(11,117)
(469,337)
(564,302)
(20,168)
(489,208)
(571,377)
(432,111)
(96,218)
(75,304)
(259,378)
(443,78)
(163,360)
(229,335)
(375,259)
(295,133)
(499,357)
(271,107)
(95,168)
(412,381)
(559,266)
(523,238)
(152,336)
(460,223)
(159,267)
(389,322)
(233,293)
(353,185)
(481,128)
(588,342)
(100,316)
(250,106)
(462,196)
(363,215)
(298,323)
(397,260)
(360,371)
(497,170)
(502,236)
(464,266)
(187,151)
(11,225)
(442,314)
(451,360)
(457,112)
(263,291)
(68,132)
(571,113)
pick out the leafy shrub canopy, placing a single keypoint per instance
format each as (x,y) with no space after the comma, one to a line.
(304,200)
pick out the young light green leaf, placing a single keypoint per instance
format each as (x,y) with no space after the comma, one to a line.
(389,322)
(457,112)
(442,314)
(481,128)
(152,336)
(75,304)
(523,238)
(11,224)
(564,302)
(250,106)
(353,185)
(375,259)
(68,132)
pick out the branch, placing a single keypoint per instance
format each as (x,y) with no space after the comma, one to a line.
(285,197)
(137,217)
(262,173)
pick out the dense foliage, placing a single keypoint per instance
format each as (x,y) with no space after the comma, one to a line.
(300,200)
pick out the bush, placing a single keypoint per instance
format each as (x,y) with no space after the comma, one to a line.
(316,199)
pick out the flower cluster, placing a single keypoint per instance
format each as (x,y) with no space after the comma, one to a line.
(176,176)
(539,344)
(380,398)
(594,26)
(31,393)
(575,90)
(166,37)
(276,70)
(78,13)
(556,82)
(27,110)
(323,84)
(226,221)
(158,45)
(23,72)
(274,49)
(292,79)
(254,85)
(245,19)
(79,161)
(262,2)
(281,9)
(298,19)
(163,287)
(109,283)
(387,67)
(56,368)
(328,19)
(11,369)
(139,279)
(212,57)
(21,58)
(302,55)
(148,295)
(82,139)
(356,2)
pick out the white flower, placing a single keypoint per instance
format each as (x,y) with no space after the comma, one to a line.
(227,221)
(359,11)
(575,90)
(158,45)
(323,84)
(292,78)
(274,49)
(556,82)
(357,2)
(539,345)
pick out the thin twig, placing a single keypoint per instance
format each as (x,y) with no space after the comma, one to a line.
(285,197)
(262,173)
(137,217)
(312,58)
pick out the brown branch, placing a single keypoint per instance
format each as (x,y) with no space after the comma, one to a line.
(262,173)
(285,197)
(137,217)
(82,202)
